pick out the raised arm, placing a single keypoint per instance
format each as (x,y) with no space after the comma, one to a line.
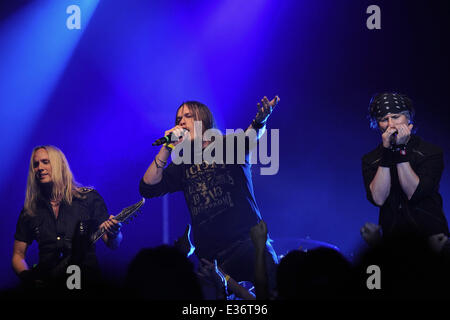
(258,234)
(407,177)
(154,173)
(380,185)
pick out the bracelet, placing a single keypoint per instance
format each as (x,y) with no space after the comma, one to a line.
(227,277)
(158,166)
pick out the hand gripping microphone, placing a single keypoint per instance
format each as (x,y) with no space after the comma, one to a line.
(393,138)
(167,139)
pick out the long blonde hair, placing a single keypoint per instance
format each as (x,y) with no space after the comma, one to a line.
(64,185)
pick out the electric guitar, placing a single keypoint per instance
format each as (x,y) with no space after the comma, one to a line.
(81,242)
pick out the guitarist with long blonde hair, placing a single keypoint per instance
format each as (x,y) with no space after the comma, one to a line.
(59,214)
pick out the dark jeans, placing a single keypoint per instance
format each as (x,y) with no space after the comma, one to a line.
(238,261)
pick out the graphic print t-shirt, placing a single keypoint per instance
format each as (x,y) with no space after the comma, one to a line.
(220,200)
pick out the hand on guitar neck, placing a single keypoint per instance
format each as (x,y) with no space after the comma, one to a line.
(111,232)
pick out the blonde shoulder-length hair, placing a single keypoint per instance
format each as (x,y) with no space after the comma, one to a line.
(65,187)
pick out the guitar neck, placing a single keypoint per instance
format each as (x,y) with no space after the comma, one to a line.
(97,235)
(123,216)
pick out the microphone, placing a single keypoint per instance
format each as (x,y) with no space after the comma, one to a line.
(393,137)
(167,139)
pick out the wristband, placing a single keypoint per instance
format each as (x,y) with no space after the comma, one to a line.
(169,146)
(400,154)
(386,158)
(257,125)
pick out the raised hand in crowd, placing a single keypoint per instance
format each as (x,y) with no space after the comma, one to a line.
(258,234)
(371,233)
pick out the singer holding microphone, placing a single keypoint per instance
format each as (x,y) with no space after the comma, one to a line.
(402,174)
(219,197)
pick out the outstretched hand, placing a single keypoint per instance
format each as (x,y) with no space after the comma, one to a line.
(265,109)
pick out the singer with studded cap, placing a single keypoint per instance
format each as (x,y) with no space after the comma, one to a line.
(402,174)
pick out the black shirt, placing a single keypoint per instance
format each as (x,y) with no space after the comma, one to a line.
(55,236)
(220,199)
(422,214)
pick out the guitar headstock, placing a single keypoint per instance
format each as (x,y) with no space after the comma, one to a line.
(124,216)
